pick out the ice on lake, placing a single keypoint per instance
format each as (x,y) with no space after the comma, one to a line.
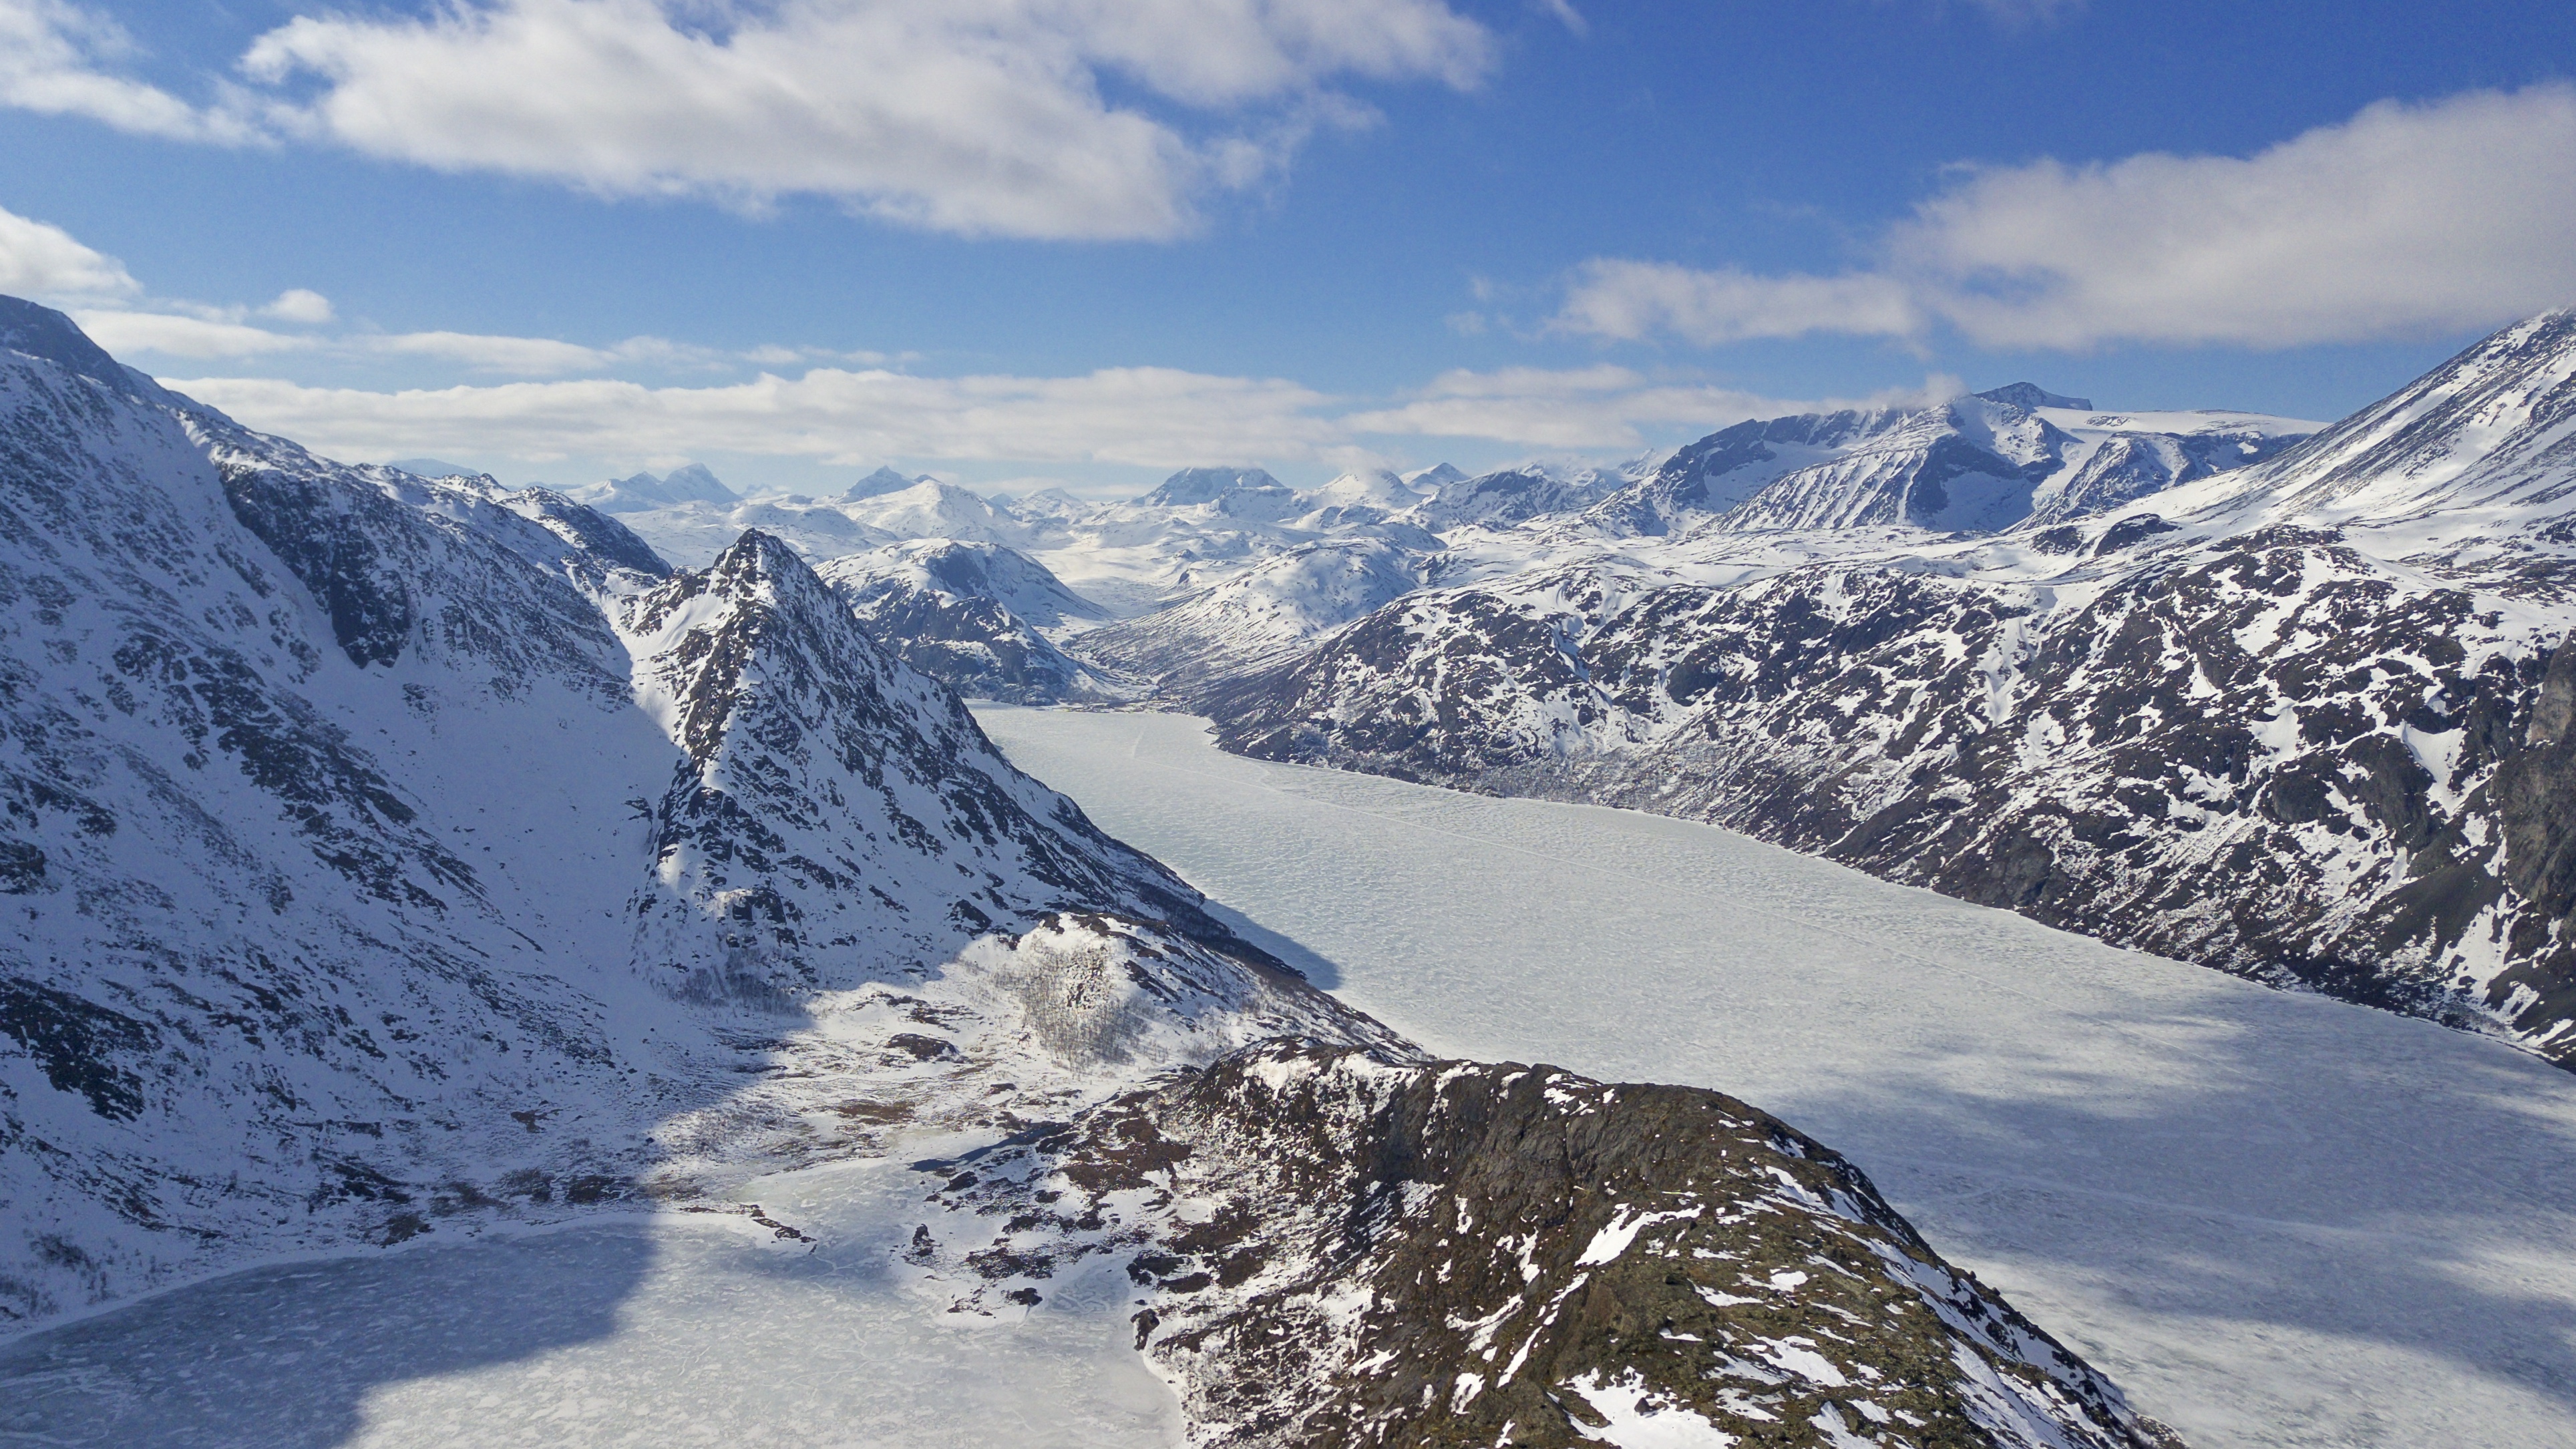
(661,1332)
(2276,1219)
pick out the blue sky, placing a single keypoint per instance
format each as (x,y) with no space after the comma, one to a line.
(1013,241)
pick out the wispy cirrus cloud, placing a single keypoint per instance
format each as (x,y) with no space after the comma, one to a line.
(975,117)
(2405,220)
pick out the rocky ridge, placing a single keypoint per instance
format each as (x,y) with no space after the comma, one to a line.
(1343,1246)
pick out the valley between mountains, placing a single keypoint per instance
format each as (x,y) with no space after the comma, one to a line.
(413,875)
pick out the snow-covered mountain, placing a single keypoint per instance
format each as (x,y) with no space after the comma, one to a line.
(1277,608)
(1983,463)
(396,856)
(2304,720)
(692,483)
(879,483)
(977,617)
(1508,496)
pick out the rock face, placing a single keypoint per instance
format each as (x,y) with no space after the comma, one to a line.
(1338,1246)
(978,617)
(2294,722)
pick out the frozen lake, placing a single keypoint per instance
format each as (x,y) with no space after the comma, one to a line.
(2277,1220)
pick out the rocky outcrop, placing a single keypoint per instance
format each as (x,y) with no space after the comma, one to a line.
(1340,1246)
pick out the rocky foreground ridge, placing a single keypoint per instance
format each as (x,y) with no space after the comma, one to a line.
(390,856)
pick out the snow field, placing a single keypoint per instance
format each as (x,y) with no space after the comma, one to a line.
(671,1330)
(2275,1220)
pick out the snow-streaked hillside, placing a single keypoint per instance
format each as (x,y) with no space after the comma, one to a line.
(978,617)
(2298,720)
(397,857)
(1980,463)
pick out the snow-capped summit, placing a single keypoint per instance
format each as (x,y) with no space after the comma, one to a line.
(1205,485)
(879,483)
(929,508)
(1980,463)
(691,483)
(1368,488)
(1434,478)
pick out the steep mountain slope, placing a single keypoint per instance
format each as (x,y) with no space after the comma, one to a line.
(2302,721)
(978,618)
(393,856)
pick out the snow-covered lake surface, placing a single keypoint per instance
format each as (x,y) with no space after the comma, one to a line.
(2277,1220)
(671,1330)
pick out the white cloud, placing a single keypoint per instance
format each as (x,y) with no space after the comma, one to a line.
(125,333)
(38,259)
(1140,416)
(2406,220)
(57,58)
(1154,417)
(300,304)
(1613,298)
(982,117)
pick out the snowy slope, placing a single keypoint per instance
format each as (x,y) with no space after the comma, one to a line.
(979,618)
(1982,463)
(391,860)
(1275,608)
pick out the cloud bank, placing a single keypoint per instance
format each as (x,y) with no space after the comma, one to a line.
(2406,220)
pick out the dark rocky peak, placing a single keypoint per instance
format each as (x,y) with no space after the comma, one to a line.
(1206,485)
(2029,396)
(48,334)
